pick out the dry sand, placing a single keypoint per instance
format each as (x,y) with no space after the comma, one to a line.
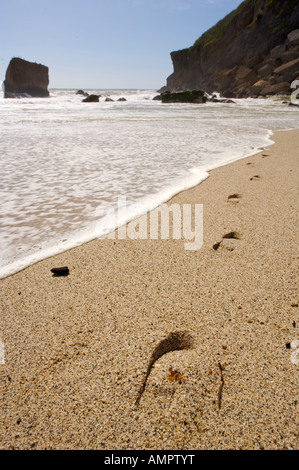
(87,356)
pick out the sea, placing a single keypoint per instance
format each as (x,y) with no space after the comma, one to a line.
(65,164)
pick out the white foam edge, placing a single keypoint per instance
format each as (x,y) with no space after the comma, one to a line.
(108,224)
(254,151)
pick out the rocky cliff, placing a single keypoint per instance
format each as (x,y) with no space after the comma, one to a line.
(26,78)
(253,51)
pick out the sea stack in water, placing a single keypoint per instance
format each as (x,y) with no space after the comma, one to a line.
(25,78)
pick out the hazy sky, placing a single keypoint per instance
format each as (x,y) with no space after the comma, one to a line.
(104,43)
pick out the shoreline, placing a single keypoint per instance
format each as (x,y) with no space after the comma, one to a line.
(88,356)
(196,177)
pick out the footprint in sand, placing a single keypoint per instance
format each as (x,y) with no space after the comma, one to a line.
(175,342)
(234,198)
(228,241)
(255,177)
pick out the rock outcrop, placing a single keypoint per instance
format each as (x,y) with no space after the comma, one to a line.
(25,78)
(92,99)
(253,51)
(82,93)
(193,96)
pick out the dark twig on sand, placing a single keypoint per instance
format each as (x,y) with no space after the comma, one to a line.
(219,397)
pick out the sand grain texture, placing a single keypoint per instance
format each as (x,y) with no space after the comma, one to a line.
(148,346)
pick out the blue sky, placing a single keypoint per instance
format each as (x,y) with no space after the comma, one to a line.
(104,43)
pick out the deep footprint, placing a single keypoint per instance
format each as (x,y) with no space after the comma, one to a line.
(176,341)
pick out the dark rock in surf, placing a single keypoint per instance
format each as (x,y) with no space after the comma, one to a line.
(82,92)
(193,96)
(91,99)
(214,99)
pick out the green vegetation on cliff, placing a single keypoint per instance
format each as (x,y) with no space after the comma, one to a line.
(253,51)
(281,8)
(217,32)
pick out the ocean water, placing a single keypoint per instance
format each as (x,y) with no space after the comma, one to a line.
(64,164)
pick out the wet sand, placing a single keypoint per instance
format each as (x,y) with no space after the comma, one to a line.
(147,345)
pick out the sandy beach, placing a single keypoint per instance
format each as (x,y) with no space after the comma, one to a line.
(147,345)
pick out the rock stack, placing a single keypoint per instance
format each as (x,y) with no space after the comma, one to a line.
(25,79)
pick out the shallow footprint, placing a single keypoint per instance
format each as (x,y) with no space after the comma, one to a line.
(228,241)
(255,177)
(234,198)
(234,235)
